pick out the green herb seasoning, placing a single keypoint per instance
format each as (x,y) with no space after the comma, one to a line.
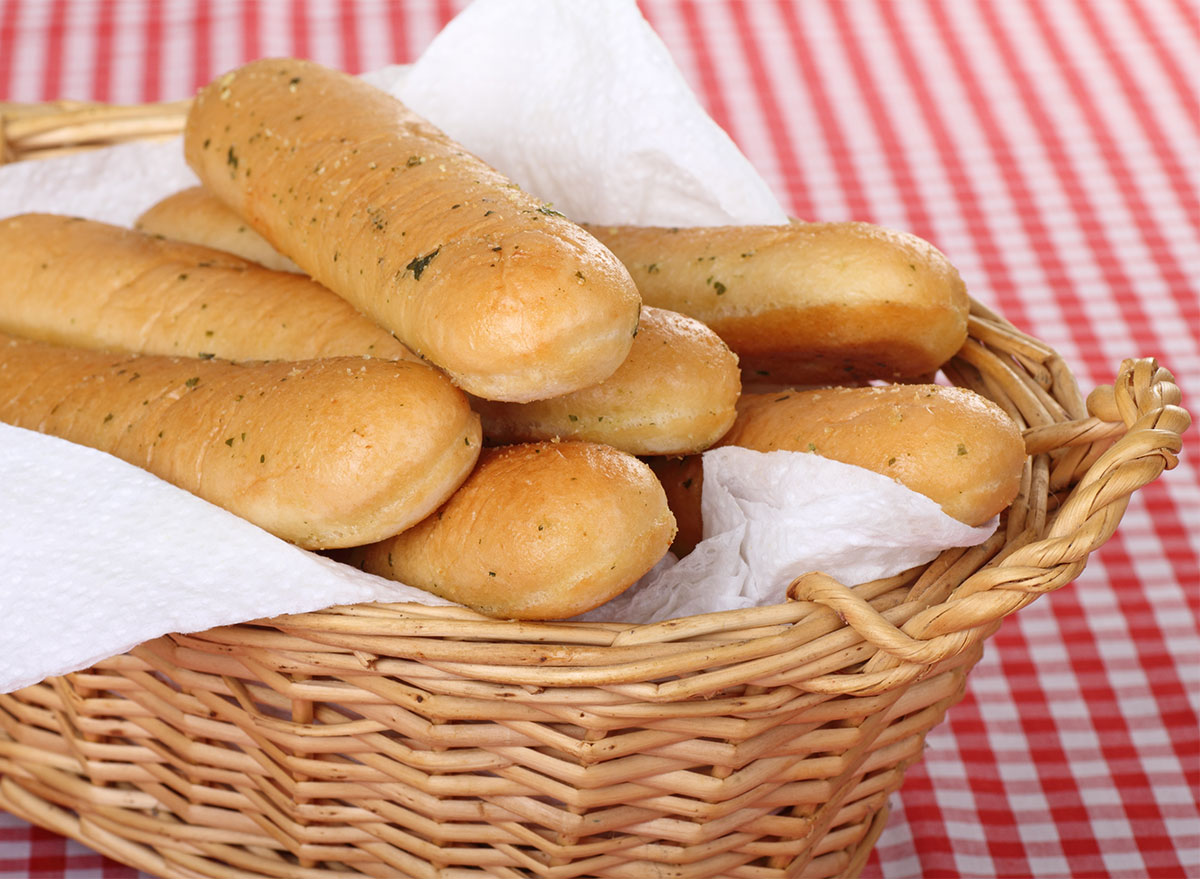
(419,263)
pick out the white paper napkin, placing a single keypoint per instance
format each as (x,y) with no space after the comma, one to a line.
(770,517)
(598,119)
(580,103)
(112,185)
(98,556)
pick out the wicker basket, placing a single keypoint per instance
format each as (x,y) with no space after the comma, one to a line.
(413,741)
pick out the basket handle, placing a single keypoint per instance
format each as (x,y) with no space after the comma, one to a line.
(1146,399)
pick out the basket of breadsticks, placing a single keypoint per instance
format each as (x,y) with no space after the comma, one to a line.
(372,346)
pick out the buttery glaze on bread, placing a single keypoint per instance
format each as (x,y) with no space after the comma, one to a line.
(675,393)
(100,286)
(323,453)
(510,298)
(949,444)
(80,282)
(805,303)
(539,531)
(194,215)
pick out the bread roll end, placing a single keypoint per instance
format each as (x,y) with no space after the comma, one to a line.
(539,531)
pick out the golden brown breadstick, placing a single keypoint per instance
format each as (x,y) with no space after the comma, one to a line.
(101,286)
(949,444)
(675,393)
(81,282)
(538,531)
(510,298)
(194,215)
(806,303)
(323,453)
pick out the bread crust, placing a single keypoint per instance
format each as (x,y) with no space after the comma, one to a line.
(511,299)
(805,303)
(539,531)
(81,282)
(85,283)
(947,443)
(324,453)
(675,393)
(193,215)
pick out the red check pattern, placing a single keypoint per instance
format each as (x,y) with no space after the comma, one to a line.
(1052,150)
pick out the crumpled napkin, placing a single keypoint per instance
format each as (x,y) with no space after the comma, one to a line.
(99,556)
(771,516)
(603,125)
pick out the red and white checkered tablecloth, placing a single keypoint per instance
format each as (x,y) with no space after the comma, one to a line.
(1052,149)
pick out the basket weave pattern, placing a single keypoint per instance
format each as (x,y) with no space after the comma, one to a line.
(413,741)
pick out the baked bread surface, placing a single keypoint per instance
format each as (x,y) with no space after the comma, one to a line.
(81,282)
(948,443)
(539,531)
(505,294)
(675,393)
(806,303)
(323,453)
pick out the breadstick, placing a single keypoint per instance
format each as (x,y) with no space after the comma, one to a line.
(949,444)
(81,282)
(672,395)
(675,393)
(101,286)
(323,453)
(510,298)
(194,215)
(539,531)
(806,303)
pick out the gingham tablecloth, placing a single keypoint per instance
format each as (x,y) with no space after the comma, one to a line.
(1052,149)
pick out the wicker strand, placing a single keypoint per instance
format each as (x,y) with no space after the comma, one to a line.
(42,131)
